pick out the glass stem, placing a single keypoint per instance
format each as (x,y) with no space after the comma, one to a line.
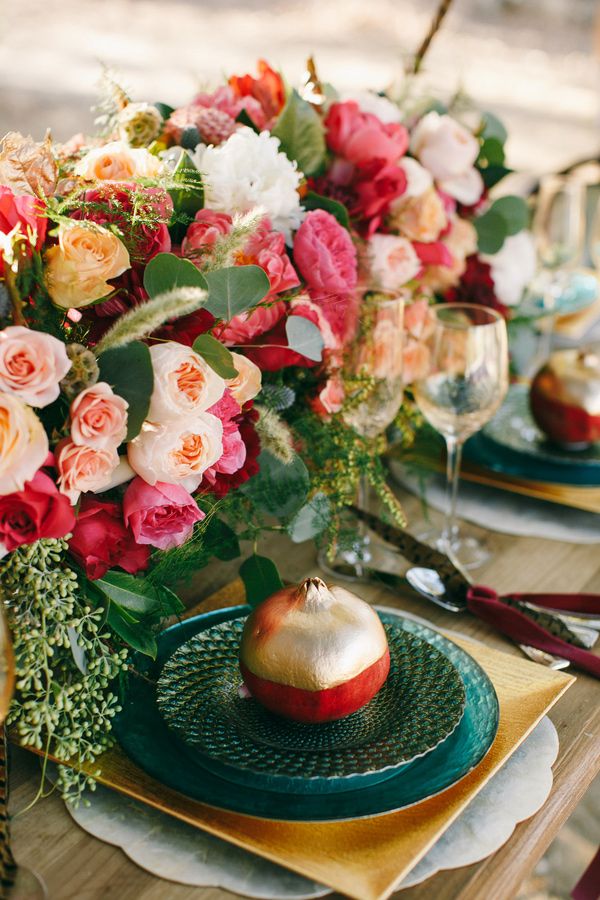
(453,458)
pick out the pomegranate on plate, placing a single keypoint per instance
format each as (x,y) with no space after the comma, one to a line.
(565,397)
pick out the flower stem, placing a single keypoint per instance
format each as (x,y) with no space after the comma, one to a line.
(15,297)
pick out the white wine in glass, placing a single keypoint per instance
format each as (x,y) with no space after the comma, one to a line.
(466,382)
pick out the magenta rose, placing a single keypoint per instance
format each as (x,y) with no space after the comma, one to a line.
(162,515)
(25,212)
(101,540)
(38,511)
(324,254)
(361,137)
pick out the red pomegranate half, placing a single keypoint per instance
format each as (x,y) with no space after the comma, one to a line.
(313,653)
(565,397)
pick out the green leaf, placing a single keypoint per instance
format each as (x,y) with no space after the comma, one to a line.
(221,540)
(260,577)
(140,637)
(129,593)
(244,119)
(235,289)
(492,127)
(514,211)
(491,231)
(492,151)
(164,109)
(317,201)
(128,370)
(188,198)
(165,272)
(304,337)
(493,174)
(311,520)
(302,134)
(278,488)
(216,355)
(170,604)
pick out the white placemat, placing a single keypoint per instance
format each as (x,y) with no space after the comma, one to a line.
(499,510)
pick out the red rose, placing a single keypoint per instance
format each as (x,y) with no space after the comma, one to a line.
(25,212)
(434,253)
(377,185)
(362,137)
(38,511)
(476,286)
(101,540)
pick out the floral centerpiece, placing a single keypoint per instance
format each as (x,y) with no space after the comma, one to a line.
(177,294)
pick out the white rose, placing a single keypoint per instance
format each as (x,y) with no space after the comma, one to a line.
(177,452)
(247,383)
(117,161)
(184,384)
(23,444)
(513,267)
(418,179)
(444,146)
(466,188)
(393,261)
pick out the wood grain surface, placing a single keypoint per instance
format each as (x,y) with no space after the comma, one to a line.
(76,865)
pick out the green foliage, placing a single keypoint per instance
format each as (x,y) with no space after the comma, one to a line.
(302,134)
(506,216)
(492,127)
(277,397)
(128,370)
(313,519)
(164,109)
(187,194)
(216,354)
(337,209)
(244,119)
(167,272)
(235,289)
(304,337)
(260,577)
(279,488)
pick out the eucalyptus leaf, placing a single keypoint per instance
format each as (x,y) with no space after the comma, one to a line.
(139,637)
(128,370)
(514,211)
(311,520)
(278,488)
(302,134)
(216,354)
(304,337)
(491,231)
(493,128)
(493,174)
(492,150)
(337,209)
(165,272)
(235,289)
(261,578)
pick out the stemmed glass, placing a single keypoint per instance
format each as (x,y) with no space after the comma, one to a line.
(373,380)
(558,227)
(466,382)
(594,241)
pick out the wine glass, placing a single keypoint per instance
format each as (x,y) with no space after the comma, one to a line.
(374,390)
(594,240)
(559,228)
(466,382)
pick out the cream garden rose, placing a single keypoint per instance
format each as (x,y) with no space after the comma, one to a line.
(79,267)
(99,418)
(184,384)
(419,218)
(23,444)
(117,161)
(448,150)
(392,260)
(177,452)
(32,364)
(82,468)
(247,383)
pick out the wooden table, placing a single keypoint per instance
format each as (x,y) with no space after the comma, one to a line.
(76,866)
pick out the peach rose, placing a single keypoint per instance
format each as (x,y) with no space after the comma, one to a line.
(82,469)
(31,365)
(386,350)
(177,452)
(184,384)
(79,266)
(117,161)
(248,381)
(23,444)
(416,360)
(393,261)
(99,417)
(331,397)
(419,218)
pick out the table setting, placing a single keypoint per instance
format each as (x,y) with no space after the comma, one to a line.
(241,341)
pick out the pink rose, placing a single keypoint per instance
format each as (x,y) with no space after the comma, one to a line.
(266,248)
(435,253)
(330,398)
(162,515)
(25,215)
(228,411)
(83,469)
(392,261)
(204,232)
(99,417)
(377,187)
(36,512)
(361,137)
(249,325)
(101,540)
(31,365)
(325,254)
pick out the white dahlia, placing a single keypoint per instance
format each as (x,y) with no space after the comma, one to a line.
(248,171)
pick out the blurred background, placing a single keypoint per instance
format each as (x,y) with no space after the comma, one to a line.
(535,63)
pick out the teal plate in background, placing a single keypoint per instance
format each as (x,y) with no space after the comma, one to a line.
(418,707)
(581,290)
(146,739)
(511,443)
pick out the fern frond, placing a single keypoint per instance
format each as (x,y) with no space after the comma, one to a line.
(138,323)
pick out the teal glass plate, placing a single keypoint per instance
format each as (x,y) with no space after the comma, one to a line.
(511,443)
(146,739)
(418,707)
(582,289)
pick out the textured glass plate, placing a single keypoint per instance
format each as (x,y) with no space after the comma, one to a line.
(513,444)
(146,739)
(418,707)
(581,291)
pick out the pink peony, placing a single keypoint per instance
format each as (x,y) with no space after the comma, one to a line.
(101,540)
(361,137)
(36,512)
(99,417)
(162,515)
(324,254)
